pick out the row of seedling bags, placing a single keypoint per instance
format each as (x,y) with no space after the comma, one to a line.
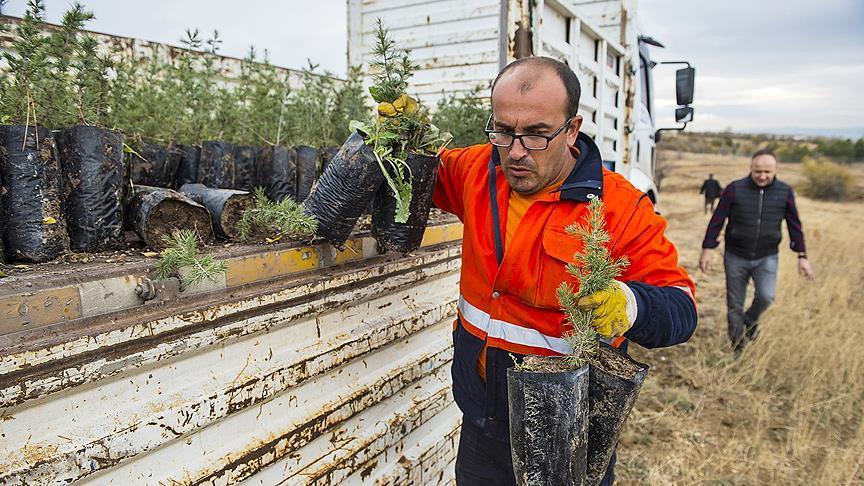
(79,188)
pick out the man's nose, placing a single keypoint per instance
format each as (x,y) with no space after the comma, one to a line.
(517,150)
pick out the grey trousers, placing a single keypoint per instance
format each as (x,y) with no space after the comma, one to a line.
(744,324)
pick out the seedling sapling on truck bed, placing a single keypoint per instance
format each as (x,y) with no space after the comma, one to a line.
(378,152)
(402,124)
(274,220)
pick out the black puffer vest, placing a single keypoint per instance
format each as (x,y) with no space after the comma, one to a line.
(754,218)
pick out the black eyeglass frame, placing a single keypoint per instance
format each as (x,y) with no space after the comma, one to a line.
(489,131)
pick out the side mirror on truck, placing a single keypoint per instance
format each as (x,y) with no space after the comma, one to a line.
(685,79)
(684,114)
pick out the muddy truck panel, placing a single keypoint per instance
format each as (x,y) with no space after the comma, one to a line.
(303,366)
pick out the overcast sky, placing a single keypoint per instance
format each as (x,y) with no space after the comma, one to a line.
(791,66)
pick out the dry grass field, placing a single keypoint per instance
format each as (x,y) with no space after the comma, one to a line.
(790,410)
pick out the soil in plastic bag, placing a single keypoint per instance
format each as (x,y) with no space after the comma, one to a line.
(225,206)
(307,170)
(613,388)
(216,167)
(187,164)
(94,186)
(327,155)
(35,227)
(245,173)
(154,212)
(154,165)
(277,172)
(406,237)
(548,425)
(344,190)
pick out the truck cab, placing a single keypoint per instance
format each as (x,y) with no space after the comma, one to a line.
(460,45)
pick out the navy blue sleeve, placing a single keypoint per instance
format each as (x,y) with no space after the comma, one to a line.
(793,224)
(666,316)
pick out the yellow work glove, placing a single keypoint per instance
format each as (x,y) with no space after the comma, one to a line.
(614,309)
(405,104)
(402,104)
(386,109)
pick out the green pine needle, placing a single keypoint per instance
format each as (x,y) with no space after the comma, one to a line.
(182,251)
(595,270)
(284,218)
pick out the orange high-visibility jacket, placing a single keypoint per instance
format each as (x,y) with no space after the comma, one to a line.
(511,307)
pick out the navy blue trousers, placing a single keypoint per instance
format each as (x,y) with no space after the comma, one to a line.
(483,461)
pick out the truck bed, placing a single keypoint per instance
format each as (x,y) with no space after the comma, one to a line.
(303,364)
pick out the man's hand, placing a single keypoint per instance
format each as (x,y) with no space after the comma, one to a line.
(804,269)
(705,260)
(614,309)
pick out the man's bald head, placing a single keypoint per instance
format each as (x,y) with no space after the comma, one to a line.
(526,71)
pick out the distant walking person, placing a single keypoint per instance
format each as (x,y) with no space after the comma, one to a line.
(711,189)
(755,206)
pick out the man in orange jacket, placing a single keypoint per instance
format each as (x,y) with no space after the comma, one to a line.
(515,195)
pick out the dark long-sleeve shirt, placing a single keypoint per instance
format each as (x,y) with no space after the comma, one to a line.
(754,215)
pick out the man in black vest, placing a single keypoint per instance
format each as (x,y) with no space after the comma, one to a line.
(711,189)
(755,206)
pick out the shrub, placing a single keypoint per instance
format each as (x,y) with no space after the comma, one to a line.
(827,180)
(464,117)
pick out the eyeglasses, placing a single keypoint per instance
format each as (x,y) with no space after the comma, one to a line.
(529,141)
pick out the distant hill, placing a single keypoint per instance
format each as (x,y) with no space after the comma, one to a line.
(789,148)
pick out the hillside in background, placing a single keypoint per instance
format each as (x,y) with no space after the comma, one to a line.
(788,148)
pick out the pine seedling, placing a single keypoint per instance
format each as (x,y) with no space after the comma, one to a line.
(27,63)
(279,219)
(182,251)
(56,91)
(92,86)
(310,108)
(402,125)
(595,270)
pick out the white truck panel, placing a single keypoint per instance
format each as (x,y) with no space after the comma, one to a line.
(322,373)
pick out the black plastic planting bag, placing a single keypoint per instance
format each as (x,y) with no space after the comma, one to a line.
(187,164)
(613,390)
(35,229)
(2,187)
(277,172)
(225,206)
(344,190)
(307,170)
(154,165)
(406,237)
(327,155)
(154,212)
(94,186)
(548,426)
(216,167)
(244,163)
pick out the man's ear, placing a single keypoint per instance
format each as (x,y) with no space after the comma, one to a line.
(573,130)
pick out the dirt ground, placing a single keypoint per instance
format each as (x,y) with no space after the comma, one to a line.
(789,410)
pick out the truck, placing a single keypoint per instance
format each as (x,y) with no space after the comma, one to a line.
(303,364)
(462,45)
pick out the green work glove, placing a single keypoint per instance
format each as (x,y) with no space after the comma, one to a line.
(614,309)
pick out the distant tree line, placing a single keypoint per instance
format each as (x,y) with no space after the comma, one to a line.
(788,149)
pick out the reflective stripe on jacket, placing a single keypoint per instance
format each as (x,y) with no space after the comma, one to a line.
(512,307)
